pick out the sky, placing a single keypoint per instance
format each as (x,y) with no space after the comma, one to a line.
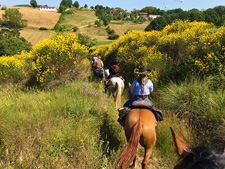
(129,5)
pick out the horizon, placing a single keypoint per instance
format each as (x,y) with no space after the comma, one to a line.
(129,5)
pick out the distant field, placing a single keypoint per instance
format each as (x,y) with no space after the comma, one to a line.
(84,19)
(120,29)
(80,18)
(34,35)
(37,18)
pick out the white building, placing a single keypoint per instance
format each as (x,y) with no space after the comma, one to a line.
(153,16)
(47,8)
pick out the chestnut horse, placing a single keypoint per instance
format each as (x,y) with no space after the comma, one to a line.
(139,128)
(200,157)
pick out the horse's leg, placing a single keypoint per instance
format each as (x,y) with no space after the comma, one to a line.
(148,153)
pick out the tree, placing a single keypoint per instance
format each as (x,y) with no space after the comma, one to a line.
(211,16)
(33,3)
(85,6)
(157,24)
(13,18)
(76,4)
(11,43)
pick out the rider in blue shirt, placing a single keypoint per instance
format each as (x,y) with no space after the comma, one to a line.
(138,85)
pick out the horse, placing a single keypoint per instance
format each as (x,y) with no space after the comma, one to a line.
(139,128)
(98,73)
(115,87)
(200,157)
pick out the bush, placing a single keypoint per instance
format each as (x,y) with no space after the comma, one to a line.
(13,18)
(15,68)
(98,23)
(86,40)
(113,36)
(43,28)
(75,29)
(57,58)
(11,43)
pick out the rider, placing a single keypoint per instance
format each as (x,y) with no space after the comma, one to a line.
(94,58)
(99,65)
(114,69)
(113,72)
(138,85)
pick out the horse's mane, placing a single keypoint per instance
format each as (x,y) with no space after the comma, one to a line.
(202,157)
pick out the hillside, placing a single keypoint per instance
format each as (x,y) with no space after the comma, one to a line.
(83,19)
(37,18)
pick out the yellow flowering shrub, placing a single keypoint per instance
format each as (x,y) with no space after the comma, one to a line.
(57,57)
(182,47)
(15,68)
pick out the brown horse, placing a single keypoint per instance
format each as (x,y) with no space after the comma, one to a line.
(201,157)
(139,127)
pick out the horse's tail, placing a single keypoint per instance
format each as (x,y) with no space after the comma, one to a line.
(119,91)
(129,152)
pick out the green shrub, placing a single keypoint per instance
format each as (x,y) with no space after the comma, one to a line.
(75,29)
(98,23)
(113,36)
(43,28)
(86,40)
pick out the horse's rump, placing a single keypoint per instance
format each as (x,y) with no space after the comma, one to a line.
(139,128)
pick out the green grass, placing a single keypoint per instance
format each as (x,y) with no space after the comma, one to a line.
(49,128)
(204,107)
(71,125)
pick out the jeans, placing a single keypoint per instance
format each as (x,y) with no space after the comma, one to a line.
(102,71)
(130,101)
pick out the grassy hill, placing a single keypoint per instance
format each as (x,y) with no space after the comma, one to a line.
(83,19)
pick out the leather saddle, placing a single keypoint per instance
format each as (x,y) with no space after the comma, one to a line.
(139,104)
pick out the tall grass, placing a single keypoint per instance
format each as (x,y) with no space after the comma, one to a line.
(57,128)
(205,108)
(71,126)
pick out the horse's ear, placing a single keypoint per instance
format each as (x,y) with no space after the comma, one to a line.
(181,145)
(129,84)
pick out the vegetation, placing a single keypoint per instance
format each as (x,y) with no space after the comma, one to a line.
(214,15)
(75,124)
(11,43)
(33,3)
(13,19)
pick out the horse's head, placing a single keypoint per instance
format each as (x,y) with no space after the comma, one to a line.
(201,157)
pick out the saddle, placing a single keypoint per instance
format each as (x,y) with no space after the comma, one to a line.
(139,104)
(98,71)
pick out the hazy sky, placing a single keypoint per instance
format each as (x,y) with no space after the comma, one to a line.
(129,5)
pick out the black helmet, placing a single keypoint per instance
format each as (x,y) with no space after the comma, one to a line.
(116,61)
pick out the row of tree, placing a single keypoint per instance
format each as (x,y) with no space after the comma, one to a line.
(214,15)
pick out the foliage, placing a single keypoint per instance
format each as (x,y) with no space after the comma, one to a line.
(113,36)
(33,3)
(214,15)
(11,43)
(76,4)
(98,23)
(75,28)
(58,58)
(43,28)
(180,48)
(59,27)
(13,18)
(51,128)
(204,107)
(86,40)
(85,6)
(15,68)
